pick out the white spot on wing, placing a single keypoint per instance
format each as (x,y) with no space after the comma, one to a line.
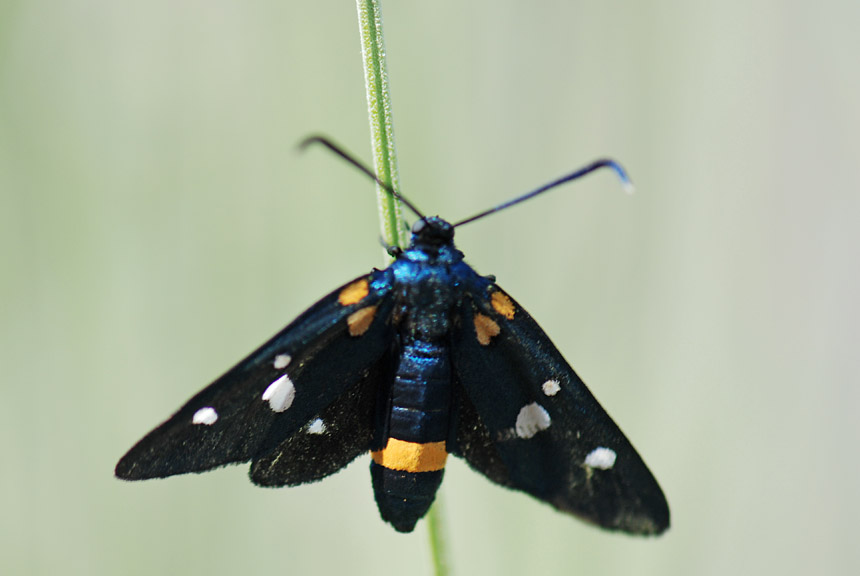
(601,458)
(206,415)
(532,419)
(316,427)
(282,361)
(280,394)
(551,387)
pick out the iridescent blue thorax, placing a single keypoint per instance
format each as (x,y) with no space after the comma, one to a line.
(429,278)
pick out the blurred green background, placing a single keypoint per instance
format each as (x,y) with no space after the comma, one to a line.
(156,224)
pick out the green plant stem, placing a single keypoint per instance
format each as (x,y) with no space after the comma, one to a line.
(381,124)
(394,230)
(436,531)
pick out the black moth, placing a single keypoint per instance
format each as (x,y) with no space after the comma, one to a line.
(414,362)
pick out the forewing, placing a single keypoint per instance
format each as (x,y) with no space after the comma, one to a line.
(528,422)
(283,385)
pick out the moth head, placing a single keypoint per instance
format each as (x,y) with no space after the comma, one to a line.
(432,231)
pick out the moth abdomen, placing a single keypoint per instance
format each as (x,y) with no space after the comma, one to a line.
(407,472)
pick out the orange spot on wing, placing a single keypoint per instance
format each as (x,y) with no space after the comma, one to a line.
(354,293)
(411,456)
(359,321)
(503,305)
(485,329)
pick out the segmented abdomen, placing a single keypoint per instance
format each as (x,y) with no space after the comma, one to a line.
(408,471)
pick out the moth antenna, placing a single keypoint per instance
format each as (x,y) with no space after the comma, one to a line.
(352,160)
(596,165)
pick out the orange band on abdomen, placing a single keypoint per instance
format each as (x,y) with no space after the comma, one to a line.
(411,456)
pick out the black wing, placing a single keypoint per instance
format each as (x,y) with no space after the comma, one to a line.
(528,422)
(307,371)
(338,435)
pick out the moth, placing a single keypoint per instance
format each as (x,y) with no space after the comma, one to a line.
(423,359)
